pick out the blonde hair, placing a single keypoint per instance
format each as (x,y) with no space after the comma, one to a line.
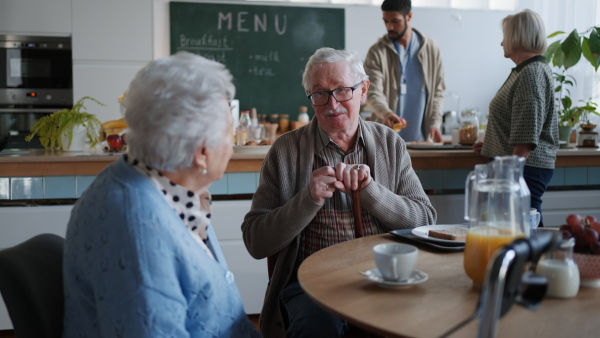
(524,32)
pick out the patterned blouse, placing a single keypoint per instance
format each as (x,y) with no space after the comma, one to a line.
(193,209)
(523,112)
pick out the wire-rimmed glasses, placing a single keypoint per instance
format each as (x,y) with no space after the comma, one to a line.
(340,94)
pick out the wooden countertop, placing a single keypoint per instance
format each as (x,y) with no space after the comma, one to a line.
(38,162)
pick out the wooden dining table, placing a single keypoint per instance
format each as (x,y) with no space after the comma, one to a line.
(330,277)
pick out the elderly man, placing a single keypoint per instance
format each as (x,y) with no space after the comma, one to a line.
(303,201)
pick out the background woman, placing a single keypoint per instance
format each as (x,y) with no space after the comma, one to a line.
(522,119)
(141,259)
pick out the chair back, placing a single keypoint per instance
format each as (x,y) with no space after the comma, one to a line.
(31,284)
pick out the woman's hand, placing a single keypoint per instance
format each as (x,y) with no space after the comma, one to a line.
(352,177)
(477,147)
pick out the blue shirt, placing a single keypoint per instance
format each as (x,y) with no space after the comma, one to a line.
(411,105)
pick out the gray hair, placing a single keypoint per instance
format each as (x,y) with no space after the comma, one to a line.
(175,105)
(327,54)
(524,32)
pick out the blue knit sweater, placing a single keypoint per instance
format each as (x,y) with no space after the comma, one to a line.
(132,269)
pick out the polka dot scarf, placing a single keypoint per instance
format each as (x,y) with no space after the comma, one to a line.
(193,209)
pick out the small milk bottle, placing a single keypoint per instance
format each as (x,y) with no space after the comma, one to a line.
(561,271)
(244,128)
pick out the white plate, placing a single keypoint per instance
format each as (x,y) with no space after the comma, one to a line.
(416,277)
(423,232)
(251,149)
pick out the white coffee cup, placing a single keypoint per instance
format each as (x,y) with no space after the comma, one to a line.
(534,218)
(395,261)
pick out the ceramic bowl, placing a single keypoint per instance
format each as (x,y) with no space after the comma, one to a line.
(589,269)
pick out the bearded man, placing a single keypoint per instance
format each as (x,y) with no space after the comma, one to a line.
(407,76)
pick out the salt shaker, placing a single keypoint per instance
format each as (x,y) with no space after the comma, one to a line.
(561,271)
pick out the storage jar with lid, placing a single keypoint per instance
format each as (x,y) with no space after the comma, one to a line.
(469,127)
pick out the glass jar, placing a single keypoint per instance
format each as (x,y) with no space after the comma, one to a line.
(284,123)
(561,271)
(469,127)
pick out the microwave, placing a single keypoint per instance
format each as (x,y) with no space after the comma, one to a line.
(35,72)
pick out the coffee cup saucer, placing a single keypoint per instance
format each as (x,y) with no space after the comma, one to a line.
(416,277)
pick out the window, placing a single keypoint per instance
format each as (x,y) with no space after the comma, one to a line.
(461,4)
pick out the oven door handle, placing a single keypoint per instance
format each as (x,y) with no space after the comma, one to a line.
(29,110)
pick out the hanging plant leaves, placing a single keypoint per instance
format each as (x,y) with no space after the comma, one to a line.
(551,50)
(591,48)
(559,58)
(571,48)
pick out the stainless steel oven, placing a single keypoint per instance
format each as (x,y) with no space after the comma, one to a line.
(36,79)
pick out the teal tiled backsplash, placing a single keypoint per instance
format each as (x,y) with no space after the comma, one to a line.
(55,187)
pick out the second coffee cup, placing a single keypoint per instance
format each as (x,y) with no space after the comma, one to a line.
(395,261)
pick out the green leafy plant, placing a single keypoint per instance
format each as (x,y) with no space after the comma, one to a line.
(51,127)
(567,53)
(588,107)
(567,115)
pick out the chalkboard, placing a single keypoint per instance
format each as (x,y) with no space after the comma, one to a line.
(265,47)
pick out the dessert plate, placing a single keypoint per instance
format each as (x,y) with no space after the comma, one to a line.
(423,232)
(416,277)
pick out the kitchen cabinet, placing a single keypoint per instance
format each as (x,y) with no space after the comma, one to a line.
(35,17)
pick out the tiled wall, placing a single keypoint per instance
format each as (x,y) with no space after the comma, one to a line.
(57,187)
(54,187)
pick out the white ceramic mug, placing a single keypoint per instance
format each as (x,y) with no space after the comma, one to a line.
(395,261)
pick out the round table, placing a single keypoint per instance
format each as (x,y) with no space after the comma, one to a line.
(330,277)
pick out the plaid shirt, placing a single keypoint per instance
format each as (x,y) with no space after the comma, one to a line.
(334,223)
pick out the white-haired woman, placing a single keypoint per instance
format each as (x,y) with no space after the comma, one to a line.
(522,119)
(141,259)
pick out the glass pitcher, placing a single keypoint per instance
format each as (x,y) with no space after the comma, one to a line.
(497,208)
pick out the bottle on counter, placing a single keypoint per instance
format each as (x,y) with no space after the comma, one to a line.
(561,271)
(253,117)
(303,116)
(243,129)
(284,123)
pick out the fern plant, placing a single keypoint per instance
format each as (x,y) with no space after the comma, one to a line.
(51,127)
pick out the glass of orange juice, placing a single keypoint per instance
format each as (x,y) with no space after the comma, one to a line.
(481,244)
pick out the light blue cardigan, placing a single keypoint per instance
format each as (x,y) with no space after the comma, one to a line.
(131,268)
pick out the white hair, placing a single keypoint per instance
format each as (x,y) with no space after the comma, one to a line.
(175,105)
(326,54)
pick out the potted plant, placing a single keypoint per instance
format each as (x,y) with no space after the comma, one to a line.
(57,129)
(587,108)
(565,54)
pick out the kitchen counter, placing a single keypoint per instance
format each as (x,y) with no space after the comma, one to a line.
(38,162)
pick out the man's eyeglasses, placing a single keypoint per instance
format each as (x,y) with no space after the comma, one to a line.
(341,95)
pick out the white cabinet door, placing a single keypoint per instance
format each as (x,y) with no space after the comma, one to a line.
(112,30)
(250,274)
(35,17)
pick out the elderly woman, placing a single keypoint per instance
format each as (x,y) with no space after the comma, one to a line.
(522,120)
(141,259)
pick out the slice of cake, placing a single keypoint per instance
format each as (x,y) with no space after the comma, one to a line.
(454,234)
